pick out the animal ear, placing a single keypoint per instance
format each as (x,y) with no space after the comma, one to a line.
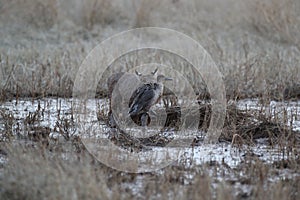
(154,72)
(138,73)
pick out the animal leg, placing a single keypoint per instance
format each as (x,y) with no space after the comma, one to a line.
(144,119)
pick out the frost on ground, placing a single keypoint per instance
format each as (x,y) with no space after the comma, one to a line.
(51,113)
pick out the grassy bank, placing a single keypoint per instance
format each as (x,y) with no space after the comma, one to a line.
(255,44)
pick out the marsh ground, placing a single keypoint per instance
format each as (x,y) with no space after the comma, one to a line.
(255,44)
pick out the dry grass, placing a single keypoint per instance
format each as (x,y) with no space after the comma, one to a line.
(39,167)
(40,14)
(278,20)
(46,14)
(143,10)
(38,173)
(7,119)
(254,63)
(241,127)
(44,42)
(41,175)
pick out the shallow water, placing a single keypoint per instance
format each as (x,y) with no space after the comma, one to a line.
(287,111)
(227,163)
(50,111)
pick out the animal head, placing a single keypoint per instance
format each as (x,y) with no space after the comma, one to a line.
(148,77)
(140,74)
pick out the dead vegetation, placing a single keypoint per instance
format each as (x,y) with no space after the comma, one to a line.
(240,126)
(258,55)
(43,44)
(37,173)
(278,20)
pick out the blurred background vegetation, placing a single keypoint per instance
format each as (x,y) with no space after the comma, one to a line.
(256,44)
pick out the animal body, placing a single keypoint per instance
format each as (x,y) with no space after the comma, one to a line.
(144,97)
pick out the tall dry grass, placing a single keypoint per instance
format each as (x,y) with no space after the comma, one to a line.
(45,14)
(34,173)
(41,14)
(279,20)
(44,42)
